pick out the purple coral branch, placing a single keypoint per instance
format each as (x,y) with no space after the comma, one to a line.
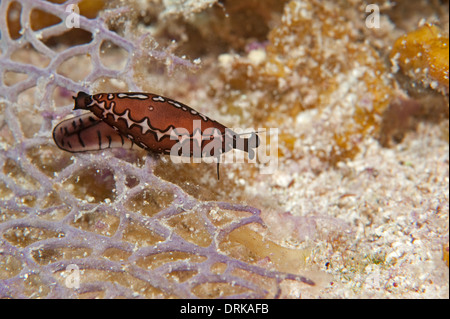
(69,236)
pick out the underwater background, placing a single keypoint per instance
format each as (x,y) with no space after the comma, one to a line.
(356,207)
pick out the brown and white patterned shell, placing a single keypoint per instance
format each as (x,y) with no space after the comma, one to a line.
(146,120)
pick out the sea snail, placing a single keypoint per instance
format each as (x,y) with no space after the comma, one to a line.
(150,121)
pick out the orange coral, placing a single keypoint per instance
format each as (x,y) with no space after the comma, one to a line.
(445,253)
(423,55)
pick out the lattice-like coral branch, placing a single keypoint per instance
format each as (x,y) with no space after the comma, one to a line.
(36,247)
(99,32)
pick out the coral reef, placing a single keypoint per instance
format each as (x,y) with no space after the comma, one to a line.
(357,206)
(423,55)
